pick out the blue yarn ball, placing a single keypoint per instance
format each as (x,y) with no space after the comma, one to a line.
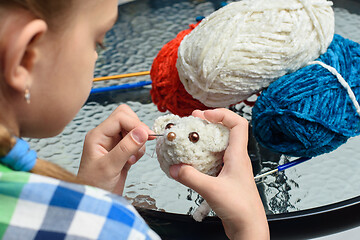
(308,112)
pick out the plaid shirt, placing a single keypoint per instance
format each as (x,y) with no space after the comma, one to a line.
(37,207)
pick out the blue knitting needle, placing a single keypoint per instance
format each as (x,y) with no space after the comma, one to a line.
(283,167)
(125,86)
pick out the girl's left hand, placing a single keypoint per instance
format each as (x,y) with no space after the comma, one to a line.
(111,148)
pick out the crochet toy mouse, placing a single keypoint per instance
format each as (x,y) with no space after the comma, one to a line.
(192,141)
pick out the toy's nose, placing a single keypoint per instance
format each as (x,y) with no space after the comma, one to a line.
(171,136)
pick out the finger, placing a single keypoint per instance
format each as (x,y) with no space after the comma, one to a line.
(114,128)
(238,138)
(198,113)
(127,147)
(109,132)
(119,187)
(122,119)
(135,158)
(190,177)
(236,161)
(225,116)
(121,123)
(115,124)
(236,152)
(238,126)
(125,109)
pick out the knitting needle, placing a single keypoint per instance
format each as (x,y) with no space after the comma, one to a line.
(126,75)
(125,86)
(278,169)
(283,167)
(156,135)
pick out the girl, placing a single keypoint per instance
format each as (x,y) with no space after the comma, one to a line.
(47,58)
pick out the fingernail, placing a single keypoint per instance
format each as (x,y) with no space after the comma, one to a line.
(132,159)
(139,135)
(174,171)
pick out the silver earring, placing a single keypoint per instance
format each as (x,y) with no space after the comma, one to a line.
(27,95)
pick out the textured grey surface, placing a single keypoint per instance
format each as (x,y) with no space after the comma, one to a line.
(143,27)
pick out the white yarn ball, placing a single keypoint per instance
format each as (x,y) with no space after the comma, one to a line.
(243,47)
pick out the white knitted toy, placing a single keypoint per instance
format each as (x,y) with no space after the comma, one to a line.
(243,47)
(192,141)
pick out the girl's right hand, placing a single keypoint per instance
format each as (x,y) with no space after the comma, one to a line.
(112,148)
(233,194)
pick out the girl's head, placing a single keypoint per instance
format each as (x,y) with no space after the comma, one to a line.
(48,48)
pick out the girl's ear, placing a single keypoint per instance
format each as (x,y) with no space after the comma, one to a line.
(21,53)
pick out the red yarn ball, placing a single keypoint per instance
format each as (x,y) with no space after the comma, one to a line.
(167,92)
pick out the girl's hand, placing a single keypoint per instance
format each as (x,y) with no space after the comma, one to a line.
(111,148)
(233,194)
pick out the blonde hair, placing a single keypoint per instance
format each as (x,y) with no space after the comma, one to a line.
(54,12)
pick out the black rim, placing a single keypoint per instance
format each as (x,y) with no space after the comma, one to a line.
(302,224)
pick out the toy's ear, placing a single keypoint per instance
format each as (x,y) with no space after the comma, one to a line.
(161,122)
(220,137)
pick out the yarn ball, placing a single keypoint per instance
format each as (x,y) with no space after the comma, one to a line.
(167,91)
(191,141)
(241,48)
(308,112)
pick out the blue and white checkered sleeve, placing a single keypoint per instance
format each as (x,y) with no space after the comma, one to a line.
(115,217)
(52,209)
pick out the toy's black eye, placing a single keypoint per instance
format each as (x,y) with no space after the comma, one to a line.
(169,125)
(194,137)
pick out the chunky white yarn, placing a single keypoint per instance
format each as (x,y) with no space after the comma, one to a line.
(205,155)
(243,47)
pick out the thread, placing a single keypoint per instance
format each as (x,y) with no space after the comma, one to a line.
(167,91)
(342,82)
(243,47)
(311,111)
